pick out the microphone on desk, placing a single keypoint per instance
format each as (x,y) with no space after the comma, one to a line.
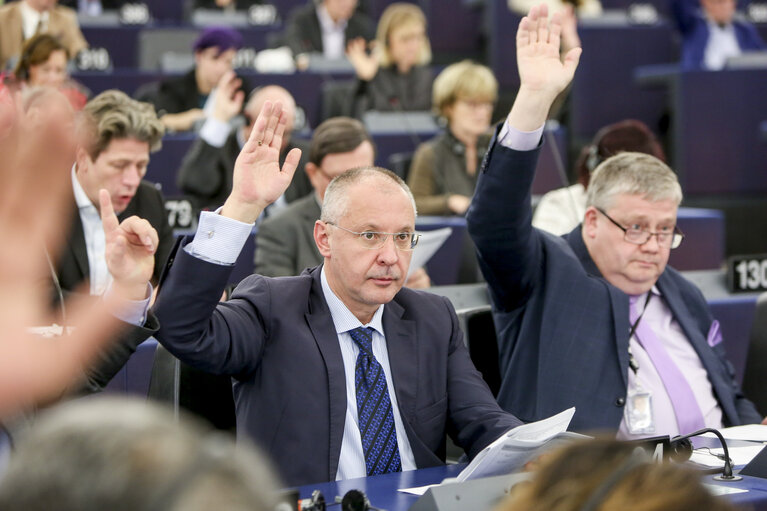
(726,475)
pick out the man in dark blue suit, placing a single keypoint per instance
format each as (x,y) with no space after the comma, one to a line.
(338,372)
(567,333)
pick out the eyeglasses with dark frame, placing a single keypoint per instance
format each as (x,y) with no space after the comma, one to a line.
(372,240)
(640,236)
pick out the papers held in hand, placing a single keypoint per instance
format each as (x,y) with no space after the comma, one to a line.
(517,446)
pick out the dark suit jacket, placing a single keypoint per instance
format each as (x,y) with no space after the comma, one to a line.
(562,328)
(73,268)
(206,172)
(304,35)
(277,339)
(285,242)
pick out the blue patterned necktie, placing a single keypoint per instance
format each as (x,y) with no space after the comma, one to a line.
(374,412)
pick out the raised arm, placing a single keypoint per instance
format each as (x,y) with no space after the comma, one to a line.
(258,179)
(500,215)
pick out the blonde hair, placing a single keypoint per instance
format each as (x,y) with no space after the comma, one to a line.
(114,115)
(463,80)
(395,16)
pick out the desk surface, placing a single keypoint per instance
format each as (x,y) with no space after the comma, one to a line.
(382,490)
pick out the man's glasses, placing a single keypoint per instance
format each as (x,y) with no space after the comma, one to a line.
(371,239)
(640,236)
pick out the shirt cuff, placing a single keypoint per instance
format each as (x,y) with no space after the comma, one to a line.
(214,132)
(219,239)
(132,311)
(519,140)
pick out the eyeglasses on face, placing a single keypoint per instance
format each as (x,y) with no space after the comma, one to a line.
(670,239)
(372,239)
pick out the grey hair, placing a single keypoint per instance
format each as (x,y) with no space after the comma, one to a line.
(130,455)
(632,174)
(335,205)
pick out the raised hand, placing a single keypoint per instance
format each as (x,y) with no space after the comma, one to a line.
(543,73)
(258,179)
(229,99)
(130,248)
(35,211)
(366,66)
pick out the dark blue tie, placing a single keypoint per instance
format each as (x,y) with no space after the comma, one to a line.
(374,411)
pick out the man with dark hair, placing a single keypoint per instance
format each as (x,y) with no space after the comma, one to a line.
(182,102)
(339,372)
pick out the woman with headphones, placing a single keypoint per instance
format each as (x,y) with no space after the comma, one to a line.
(43,63)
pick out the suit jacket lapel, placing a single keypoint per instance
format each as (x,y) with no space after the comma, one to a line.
(77,246)
(618,299)
(323,329)
(403,358)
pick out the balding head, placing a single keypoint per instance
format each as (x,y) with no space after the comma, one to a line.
(271,93)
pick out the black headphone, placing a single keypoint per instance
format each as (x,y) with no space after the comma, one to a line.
(637,458)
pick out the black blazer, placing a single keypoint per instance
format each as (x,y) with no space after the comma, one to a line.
(304,35)
(73,269)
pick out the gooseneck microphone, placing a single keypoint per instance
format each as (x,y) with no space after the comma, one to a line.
(726,475)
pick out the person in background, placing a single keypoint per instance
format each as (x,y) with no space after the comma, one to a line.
(21,20)
(712,33)
(43,63)
(444,170)
(206,171)
(603,475)
(560,211)
(326,26)
(126,454)
(184,102)
(395,75)
(117,134)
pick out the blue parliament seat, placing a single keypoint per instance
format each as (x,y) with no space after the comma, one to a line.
(716,148)
(704,243)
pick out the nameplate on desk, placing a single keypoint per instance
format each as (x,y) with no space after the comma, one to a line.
(747,273)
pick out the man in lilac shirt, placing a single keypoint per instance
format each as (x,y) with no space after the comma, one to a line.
(594,319)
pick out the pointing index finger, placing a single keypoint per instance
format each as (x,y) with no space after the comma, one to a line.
(108,217)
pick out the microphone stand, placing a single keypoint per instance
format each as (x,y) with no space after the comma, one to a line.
(726,475)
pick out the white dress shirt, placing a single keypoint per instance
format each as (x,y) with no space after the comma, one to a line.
(95,241)
(333,35)
(721,45)
(30,19)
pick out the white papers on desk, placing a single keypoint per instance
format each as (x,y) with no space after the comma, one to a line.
(739,455)
(516,447)
(427,246)
(751,432)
